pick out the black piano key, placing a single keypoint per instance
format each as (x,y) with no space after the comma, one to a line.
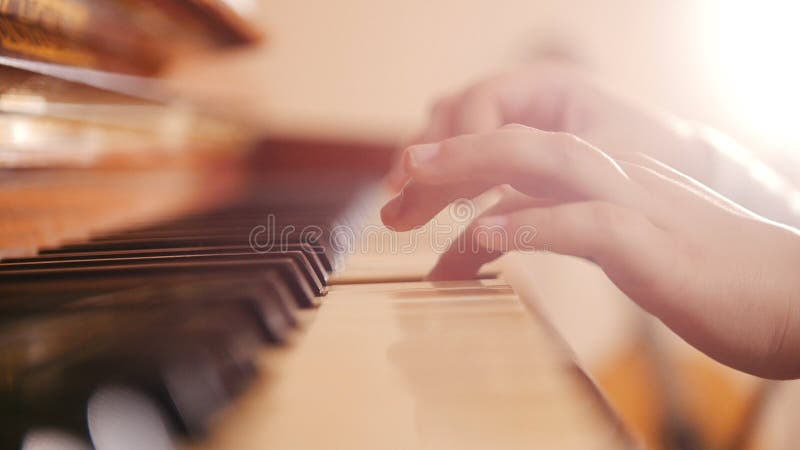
(311,254)
(277,231)
(323,253)
(194,360)
(267,298)
(25,293)
(275,314)
(37,340)
(300,258)
(237,339)
(277,289)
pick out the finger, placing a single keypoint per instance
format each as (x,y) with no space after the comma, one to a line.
(632,251)
(523,157)
(478,111)
(440,124)
(540,164)
(416,204)
(396,178)
(464,258)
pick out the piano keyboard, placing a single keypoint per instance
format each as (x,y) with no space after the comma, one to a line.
(174,311)
(420,365)
(197,332)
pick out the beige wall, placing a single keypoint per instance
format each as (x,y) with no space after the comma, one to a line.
(371,68)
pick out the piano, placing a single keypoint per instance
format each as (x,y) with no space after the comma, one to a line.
(171,279)
(211,330)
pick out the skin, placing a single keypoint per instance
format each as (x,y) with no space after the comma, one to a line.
(556,97)
(722,277)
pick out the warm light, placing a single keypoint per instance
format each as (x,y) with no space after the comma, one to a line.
(11,102)
(243,7)
(20,132)
(756,46)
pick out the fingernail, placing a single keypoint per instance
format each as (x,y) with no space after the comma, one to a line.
(419,154)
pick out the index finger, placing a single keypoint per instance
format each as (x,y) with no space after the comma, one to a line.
(537,163)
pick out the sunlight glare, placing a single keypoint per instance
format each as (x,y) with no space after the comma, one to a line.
(756,44)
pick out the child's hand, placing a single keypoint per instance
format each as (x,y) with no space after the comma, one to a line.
(556,97)
(724,279)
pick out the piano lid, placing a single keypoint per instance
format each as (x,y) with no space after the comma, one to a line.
(50,122)
(128,36)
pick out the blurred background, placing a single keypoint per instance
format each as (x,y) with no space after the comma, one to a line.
(369,71)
